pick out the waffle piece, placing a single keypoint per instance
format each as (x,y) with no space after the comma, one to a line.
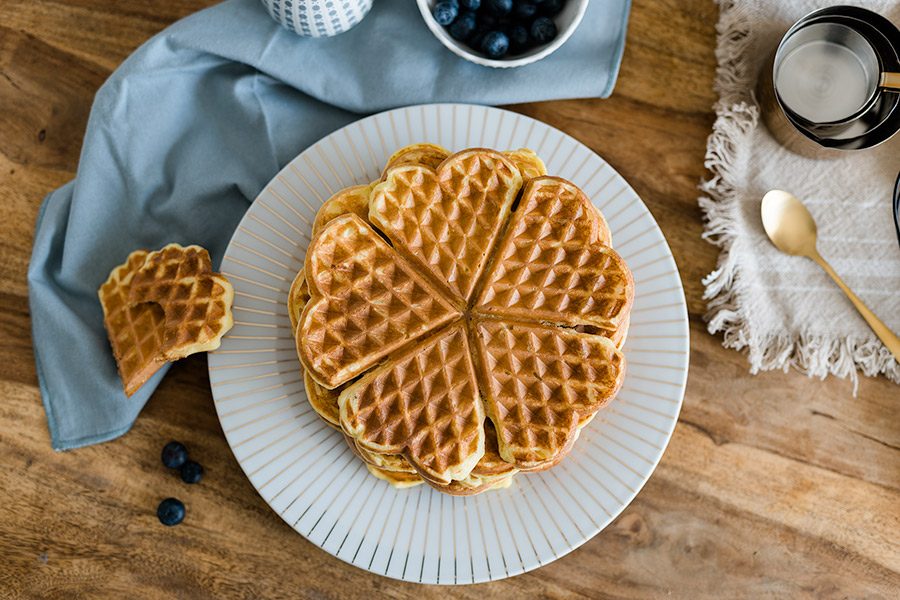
(447,220)
(424,404)
(456,488)
(554,264)
(386,462)
(398,480)
(529,164)
(161,306)
(136,331)
(196,301)
(429,155)
(490,471)
(365,302)
(322,400)
(538,382)
(354,199)
(298,296)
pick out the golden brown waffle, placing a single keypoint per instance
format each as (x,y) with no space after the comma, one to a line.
(529,164)
(490,472)
(161,306)
(365,302)
(385,462)
(534,302)
(322,400)
(136,331)
(428,155)
(538,381)
(396,479)
(349,200)
(196,301)
(298,296)
(554,263)
(447,220)
(423,404)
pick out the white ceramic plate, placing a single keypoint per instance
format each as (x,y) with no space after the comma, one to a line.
(305,471)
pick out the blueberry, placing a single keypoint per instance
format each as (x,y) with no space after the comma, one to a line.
(525,11)
(174,454)
(543,30)
(463,26)
(550,8)
(488,20)
(499,7)
(477,37)
(518,39)
(191,472)
(444,12)
(495,44)
(470,4)
(170,512)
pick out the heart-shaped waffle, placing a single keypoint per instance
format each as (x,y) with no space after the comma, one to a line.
(533,301)
(447,219)
(365,302)
(423,404)
(555,263)
(161,306)
(196,301)
(538,381)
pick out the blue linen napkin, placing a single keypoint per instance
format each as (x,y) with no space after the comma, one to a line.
(188,130)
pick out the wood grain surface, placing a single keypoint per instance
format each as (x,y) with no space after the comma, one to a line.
(773,486)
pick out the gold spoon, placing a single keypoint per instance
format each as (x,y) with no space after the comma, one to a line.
(793,231)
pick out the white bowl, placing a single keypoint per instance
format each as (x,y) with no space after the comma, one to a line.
(566,23)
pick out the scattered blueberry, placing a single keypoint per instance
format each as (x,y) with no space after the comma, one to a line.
(551,8)
(470,4)
(174,454)
(499,7)
(463,26)
(518,39)
(445,12)
(191,472)
(543,30)
(170,512)
(495,44)
(523,11)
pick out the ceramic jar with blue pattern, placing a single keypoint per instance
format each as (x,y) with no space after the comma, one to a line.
(318,18)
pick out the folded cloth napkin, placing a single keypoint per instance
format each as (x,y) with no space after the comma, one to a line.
(785,310)
(184,135)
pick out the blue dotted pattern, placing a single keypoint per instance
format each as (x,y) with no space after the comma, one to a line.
(318,18)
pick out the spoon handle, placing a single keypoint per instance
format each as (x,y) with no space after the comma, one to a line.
(881,330)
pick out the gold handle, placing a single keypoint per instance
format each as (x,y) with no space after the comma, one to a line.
(890,81)
(881,330)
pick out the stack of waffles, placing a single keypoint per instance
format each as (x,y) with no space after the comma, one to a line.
(461,319)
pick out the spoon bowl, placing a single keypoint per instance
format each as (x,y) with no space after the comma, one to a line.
(788,224)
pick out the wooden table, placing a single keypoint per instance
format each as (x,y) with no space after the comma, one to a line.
(773,485)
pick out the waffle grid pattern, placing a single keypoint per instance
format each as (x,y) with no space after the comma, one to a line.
(539,382)
(554,264)
(195,300)
(424,404)
(448,219)
(367,303)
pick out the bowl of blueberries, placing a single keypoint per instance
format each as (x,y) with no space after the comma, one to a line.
(502,33)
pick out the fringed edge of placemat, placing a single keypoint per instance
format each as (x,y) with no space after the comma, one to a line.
(736,117)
